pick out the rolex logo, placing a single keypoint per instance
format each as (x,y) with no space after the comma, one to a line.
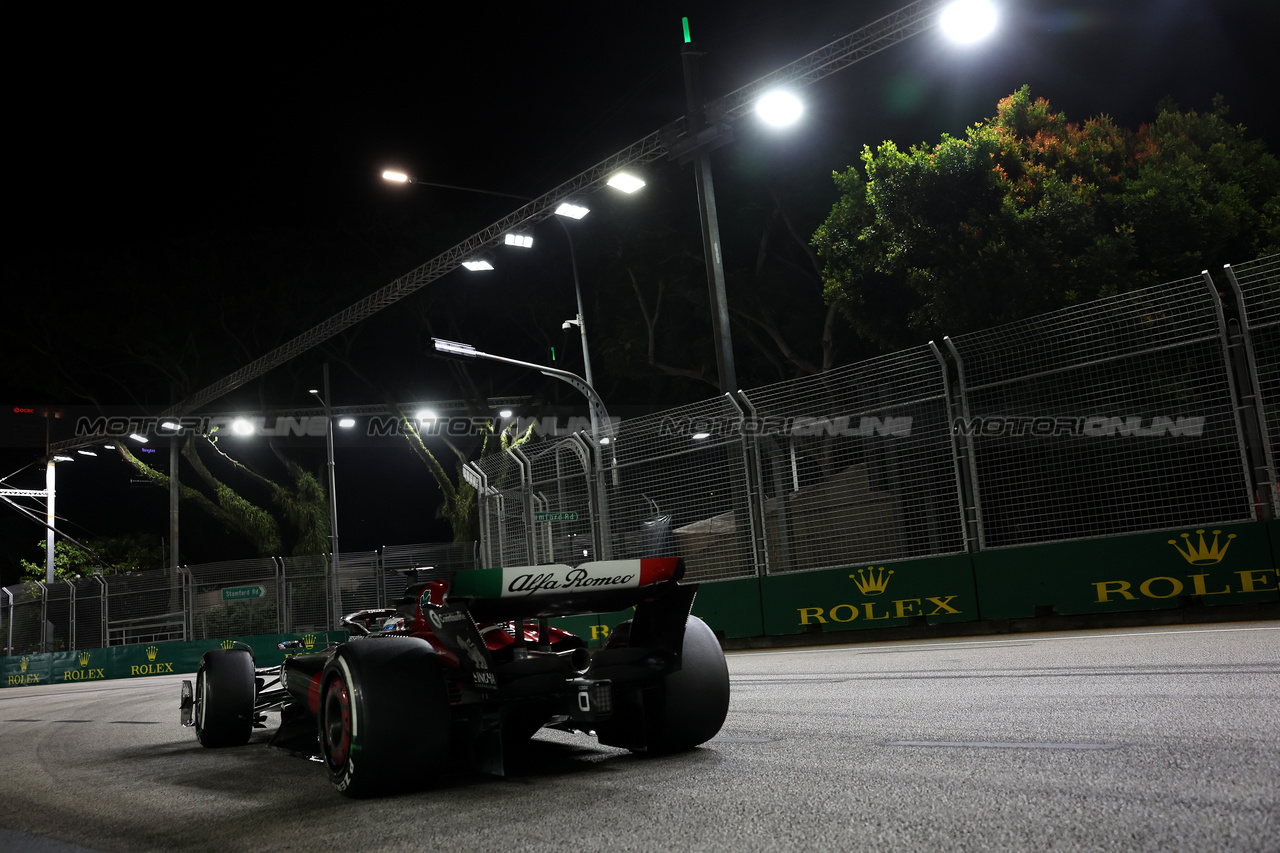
(152,651)
(1202,555)
(23,661)
(84,658)
(871,581)
(227,644)
(308,640)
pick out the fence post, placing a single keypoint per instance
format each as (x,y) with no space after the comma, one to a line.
(8,646)
(1225,341)
(44,617)
(964,477)
(1254,420)
(975,540)
(472,473)
(71,614)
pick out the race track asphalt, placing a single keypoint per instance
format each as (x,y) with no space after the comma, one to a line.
(1135,739)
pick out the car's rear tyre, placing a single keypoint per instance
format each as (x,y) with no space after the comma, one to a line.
(686,709)
(384,715)
(224,697)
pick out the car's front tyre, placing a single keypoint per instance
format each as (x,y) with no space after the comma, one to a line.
(222,708)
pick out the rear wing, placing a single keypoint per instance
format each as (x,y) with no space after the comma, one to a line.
(601,586)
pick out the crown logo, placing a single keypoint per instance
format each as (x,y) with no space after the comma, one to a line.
(23,662)
(226,644)
(869,581)
(152,651)
(84,658)
(308,640)
(1202,555)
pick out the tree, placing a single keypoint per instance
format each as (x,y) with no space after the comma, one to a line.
(300,521)
(98,556)
(1029,212)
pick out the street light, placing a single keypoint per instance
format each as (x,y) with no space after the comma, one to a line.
(622,181)
(968,21)
(779,108)
(965,21)
(462,350)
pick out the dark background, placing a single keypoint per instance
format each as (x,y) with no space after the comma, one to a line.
(212,185)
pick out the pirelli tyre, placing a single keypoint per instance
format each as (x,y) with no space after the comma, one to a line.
(224,695)
(685,710)
(384,714)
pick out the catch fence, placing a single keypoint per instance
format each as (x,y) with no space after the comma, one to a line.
(272,595)
(1151,410)
(1127,414)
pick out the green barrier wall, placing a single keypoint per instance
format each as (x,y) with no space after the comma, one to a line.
(933,590)
(144,661)
(1224,564)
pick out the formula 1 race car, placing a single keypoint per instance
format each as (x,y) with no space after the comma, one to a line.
(460,670)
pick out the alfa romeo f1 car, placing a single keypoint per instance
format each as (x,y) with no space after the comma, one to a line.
(460,670)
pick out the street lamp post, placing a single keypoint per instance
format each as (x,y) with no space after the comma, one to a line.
(333,485)
(457,349)
(725,365)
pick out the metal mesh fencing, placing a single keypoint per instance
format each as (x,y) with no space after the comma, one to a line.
(24,619)
(90,628)
(502,499)
(144,607)
(858,465)
(1257,287)
(357,584)
(403,565)
(560,488)
(305,593)
(676,484)
(60,616)
(1106,418)
(234,598)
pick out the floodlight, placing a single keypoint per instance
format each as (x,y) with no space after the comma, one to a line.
(625,182)
(573,211)
(968,21)
(779,108)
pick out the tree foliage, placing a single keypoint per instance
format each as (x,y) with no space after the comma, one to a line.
(238,495)
(1029,212)
(106,555)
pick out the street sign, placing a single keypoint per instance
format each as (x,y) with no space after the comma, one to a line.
(555,516)
(240,593)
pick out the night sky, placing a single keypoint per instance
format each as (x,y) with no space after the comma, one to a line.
(130,133)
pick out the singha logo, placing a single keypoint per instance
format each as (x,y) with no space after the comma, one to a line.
(477,657)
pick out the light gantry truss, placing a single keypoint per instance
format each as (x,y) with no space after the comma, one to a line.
(671,140)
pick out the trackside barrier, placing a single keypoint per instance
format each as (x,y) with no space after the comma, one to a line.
(143,661)
(1119,455)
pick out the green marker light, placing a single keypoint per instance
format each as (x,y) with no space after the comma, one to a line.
(553,353)
(687,39)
